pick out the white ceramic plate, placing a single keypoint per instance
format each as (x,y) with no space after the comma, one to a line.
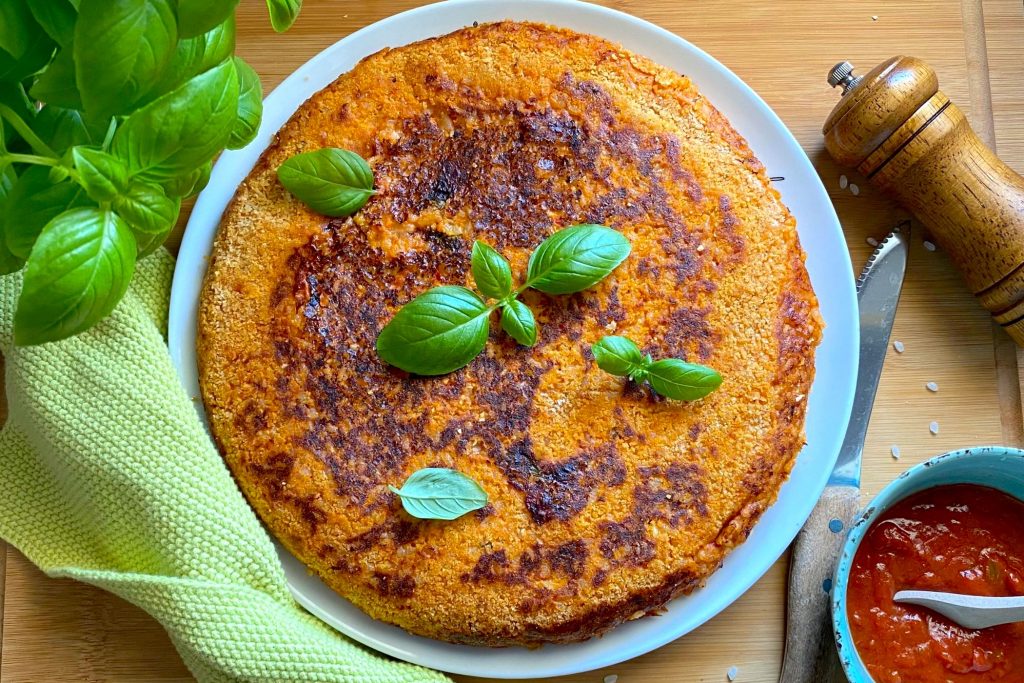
(827,260)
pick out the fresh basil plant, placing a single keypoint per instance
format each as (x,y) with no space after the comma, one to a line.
(446,327)
(670,377)
(111,112)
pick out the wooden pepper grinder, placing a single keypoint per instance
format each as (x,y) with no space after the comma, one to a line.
(903,134)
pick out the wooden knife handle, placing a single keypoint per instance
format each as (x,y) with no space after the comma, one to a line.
(905,135)
(810,644)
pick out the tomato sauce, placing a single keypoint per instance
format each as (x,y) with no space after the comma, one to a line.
(962,539)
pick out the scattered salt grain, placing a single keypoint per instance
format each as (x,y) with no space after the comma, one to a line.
(895,450)
(933,427)
(611,678)
(732,673)
(872,241)
(843,182)
(854,189)
(932,387)
(929,245)
(898,345)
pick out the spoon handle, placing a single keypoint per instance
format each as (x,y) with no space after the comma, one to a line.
(970,611)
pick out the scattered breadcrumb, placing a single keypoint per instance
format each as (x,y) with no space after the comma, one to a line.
(874,17)
(872,241)
(898,345)
(854,189)
(732,673)
(929,245)
(895,450)
(611,678)
(932,386)
(933,427)
(843,182)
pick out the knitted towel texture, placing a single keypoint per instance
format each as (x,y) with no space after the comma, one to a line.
(108,476)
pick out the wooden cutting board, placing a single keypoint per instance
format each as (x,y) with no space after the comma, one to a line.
(60,630)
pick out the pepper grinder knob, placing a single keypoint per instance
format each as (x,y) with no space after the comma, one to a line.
(904,135)
(842,75)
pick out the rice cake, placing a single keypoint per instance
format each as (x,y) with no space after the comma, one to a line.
(605,501)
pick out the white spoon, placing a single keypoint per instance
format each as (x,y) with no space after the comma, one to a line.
(970,611)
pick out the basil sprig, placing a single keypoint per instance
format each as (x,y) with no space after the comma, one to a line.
(111,112)
(331,181)
(670,377)
(439,493)
(446,327)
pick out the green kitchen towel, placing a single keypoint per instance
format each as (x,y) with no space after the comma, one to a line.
(108,476)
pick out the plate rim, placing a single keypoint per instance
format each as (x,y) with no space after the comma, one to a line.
(842,330)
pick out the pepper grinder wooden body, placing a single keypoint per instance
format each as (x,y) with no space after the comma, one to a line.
(901,132)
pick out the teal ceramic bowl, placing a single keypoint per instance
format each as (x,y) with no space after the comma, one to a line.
(995,466)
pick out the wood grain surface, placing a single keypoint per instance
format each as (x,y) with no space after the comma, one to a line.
(64,631)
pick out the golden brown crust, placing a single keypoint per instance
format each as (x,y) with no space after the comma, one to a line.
(605,501)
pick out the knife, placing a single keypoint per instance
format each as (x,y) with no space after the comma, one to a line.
(810,655)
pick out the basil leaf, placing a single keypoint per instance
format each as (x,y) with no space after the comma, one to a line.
(517,321)
(439,331)
(33,202)
(620,356)
(331,181)
(36,55)
(57,17)
(199,16)
(17,25)
(438,493)
(283,13)
(56,85)
(491,272)
(178,131)
(62,128)
(9,263)
(120,49)
(147,209)
(147,243)
(58,174)
(103,176)
(250,105)
(78,270)
(682,381)
(576,258)
(193,56)
(190,183)
(7,179)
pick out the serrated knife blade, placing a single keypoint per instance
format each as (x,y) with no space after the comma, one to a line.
(878,294)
